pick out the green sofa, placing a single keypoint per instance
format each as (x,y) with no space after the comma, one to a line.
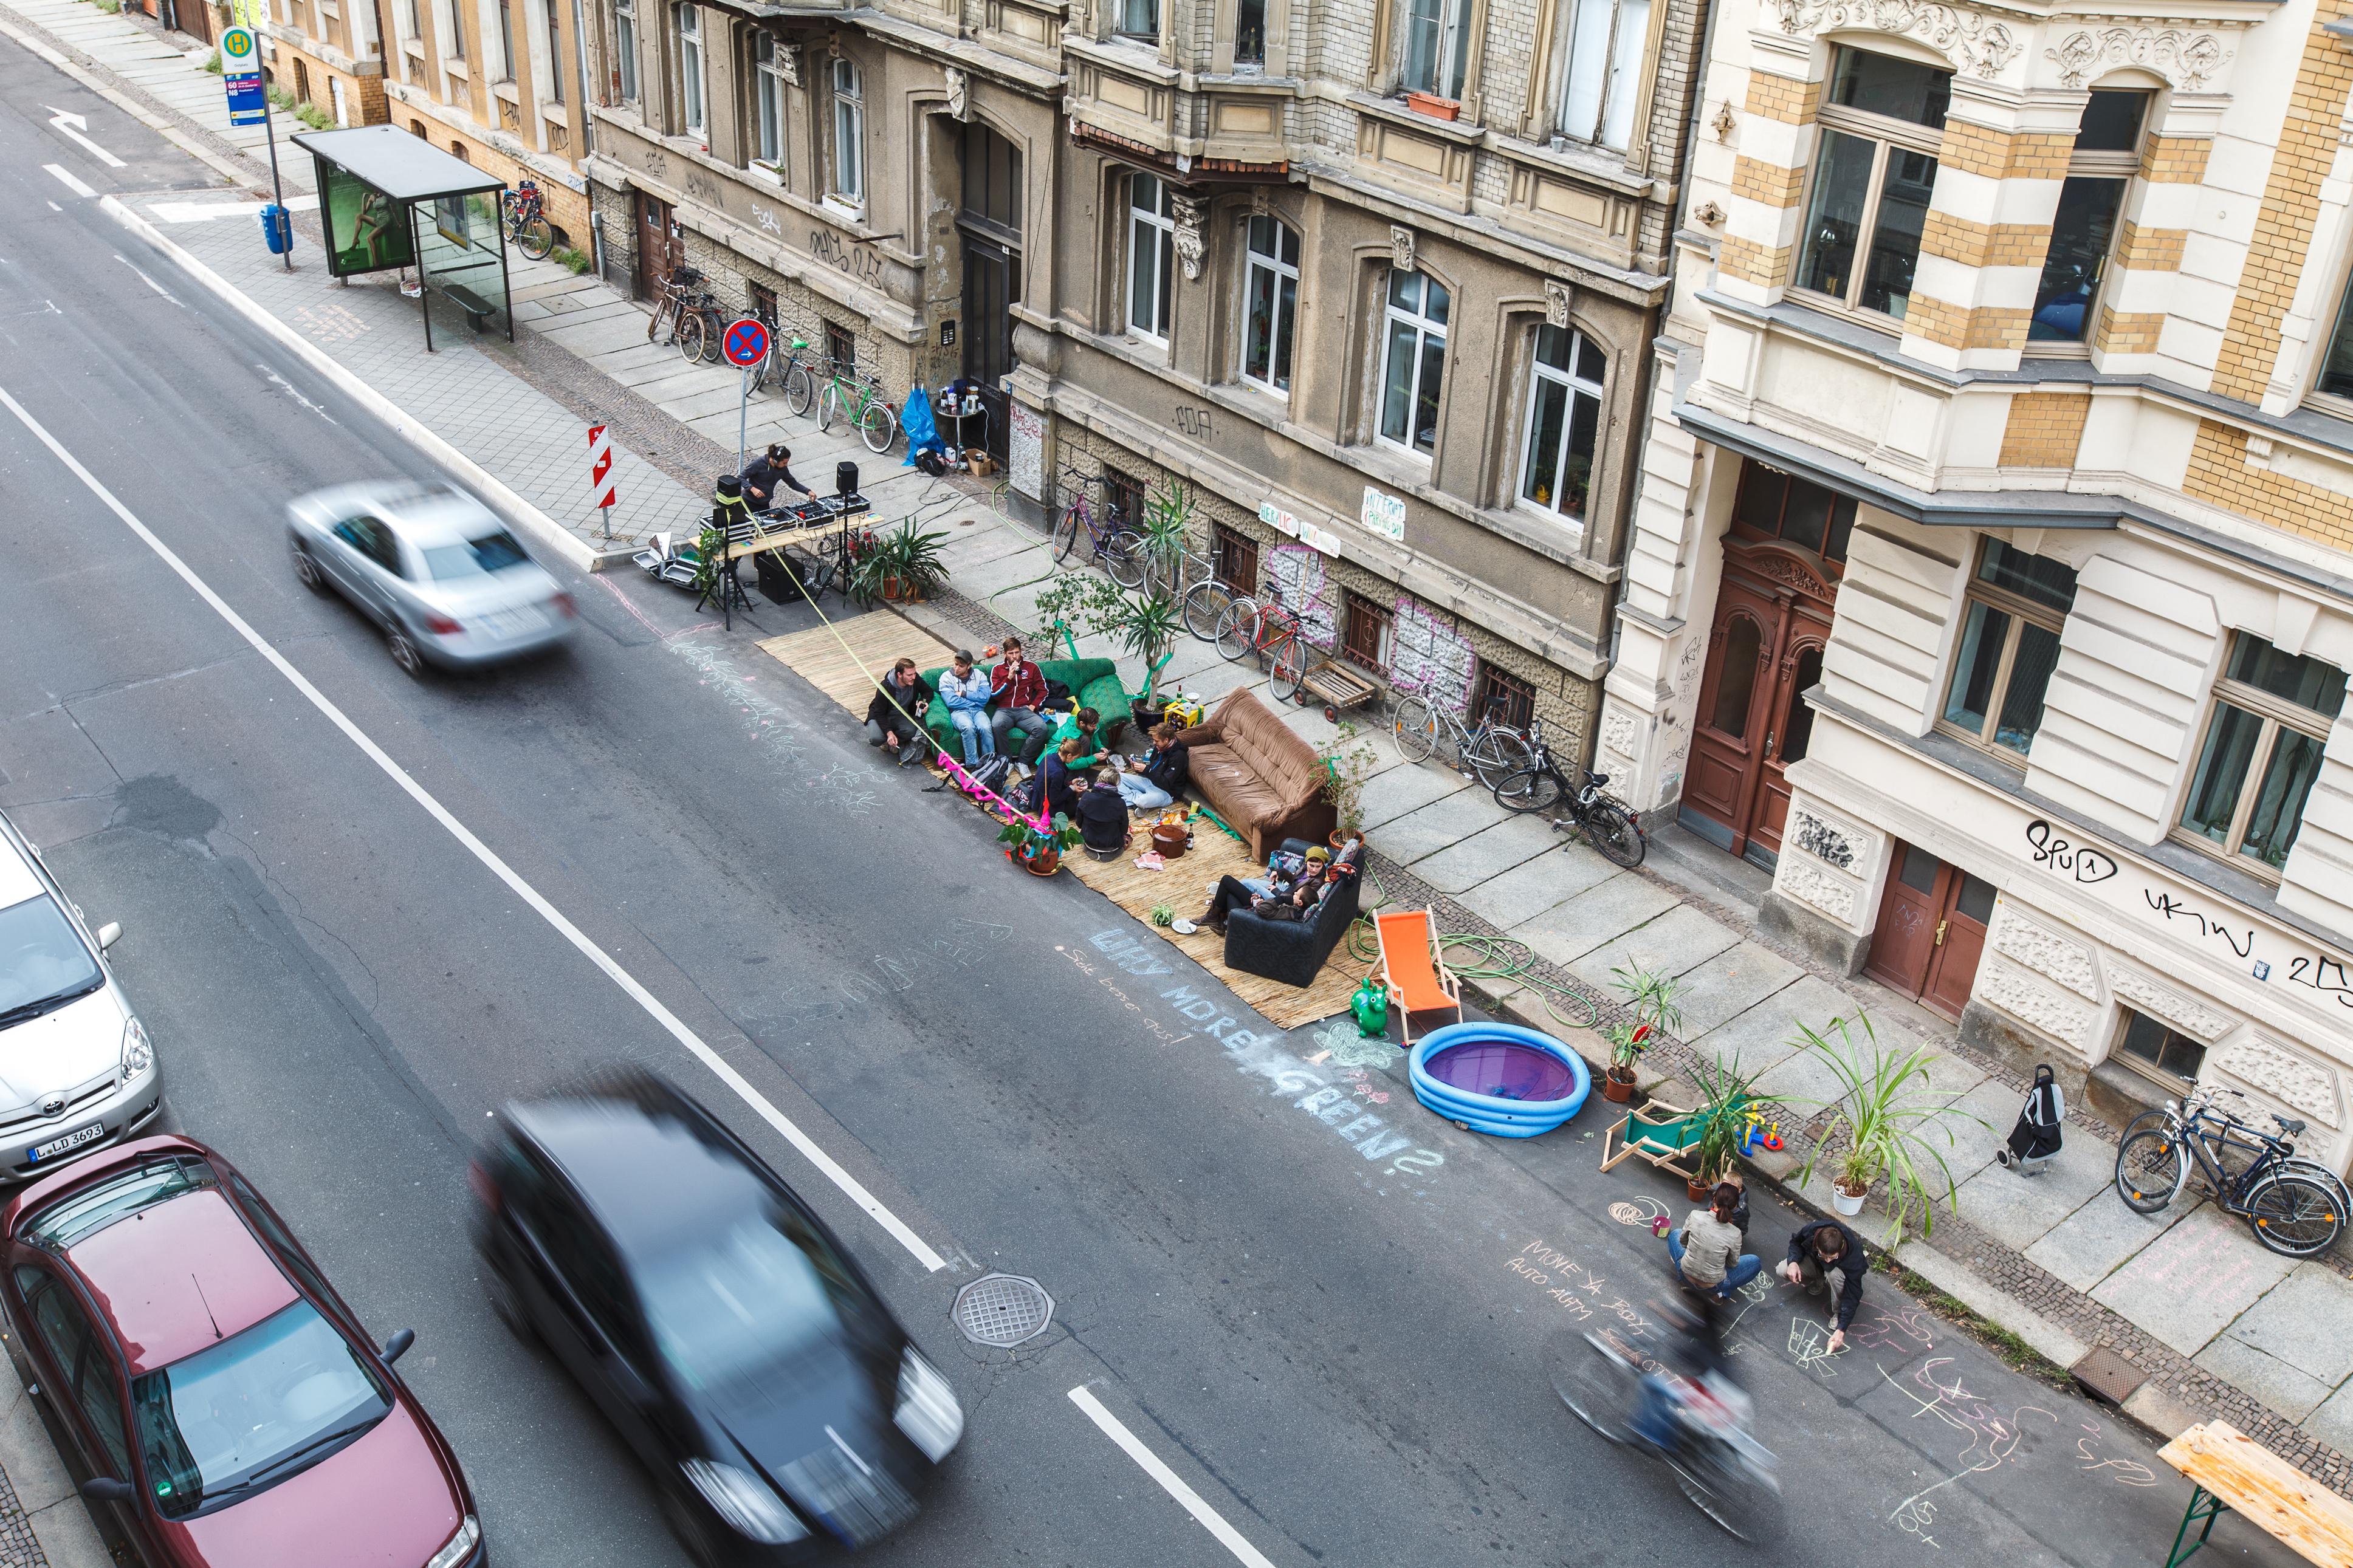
(1093,682)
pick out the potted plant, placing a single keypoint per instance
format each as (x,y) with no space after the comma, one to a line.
(1167,529)
(1651,1001)
(1719,1117)
(1349,763)
(1429,104)
(1891,1115)
(903,565)
(1144,623)
(1036,846)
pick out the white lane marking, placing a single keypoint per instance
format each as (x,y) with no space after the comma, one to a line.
(150,281)
(1170,1482)
(676,1026)
(202,212)
(69,125)
(67,179)
(286,386)
(55,208)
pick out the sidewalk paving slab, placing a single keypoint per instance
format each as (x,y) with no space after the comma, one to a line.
(2306,1320)
(1421,834)
(1673,943)
(1491,851)
(2096,1240)
(1766,1034)
(1742,976)
(2188,1284)
(1529,888)
(2292,1392)
(1567,931)
(1403,790)
(2019,1211)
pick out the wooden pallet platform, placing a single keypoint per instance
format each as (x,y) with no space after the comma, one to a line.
(847,667)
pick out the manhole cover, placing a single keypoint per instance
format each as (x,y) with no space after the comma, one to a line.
(2107,1376)
(1002,1309)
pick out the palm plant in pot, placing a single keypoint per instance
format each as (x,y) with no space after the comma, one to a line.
(1719,1117)
(1894,1123)
(1349,763)
(1145,625)
(903,564)
(1650,1002)
(1036,845)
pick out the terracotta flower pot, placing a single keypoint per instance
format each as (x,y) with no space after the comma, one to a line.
(1700,1191)
(1435,107)
(1044,863)
(1616,1089)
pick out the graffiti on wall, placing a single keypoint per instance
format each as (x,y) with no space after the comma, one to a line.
(1299,572)
(1431,657)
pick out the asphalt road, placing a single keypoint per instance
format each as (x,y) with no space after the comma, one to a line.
(1342,1356)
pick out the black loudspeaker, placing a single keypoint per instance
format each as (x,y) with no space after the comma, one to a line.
(845,479)
(728,485)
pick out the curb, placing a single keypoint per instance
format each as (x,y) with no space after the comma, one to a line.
(502,498)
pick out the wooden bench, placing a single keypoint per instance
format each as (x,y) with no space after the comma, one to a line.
(2231,1473)
(477,310)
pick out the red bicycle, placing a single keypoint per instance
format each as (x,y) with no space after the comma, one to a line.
(1269,633)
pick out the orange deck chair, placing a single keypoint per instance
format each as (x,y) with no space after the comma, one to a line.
(1415,977)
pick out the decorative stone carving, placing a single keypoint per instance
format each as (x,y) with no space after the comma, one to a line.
(1556,303)
(1260,205)
(1809,884)
(1401,249)
(956,92)
(1191,213)
(1618,732)
(789,61)
(2184,59)
(1972,43)
(2301,1084)
(2047,952)
(1826,840)
(2191,1017)
(1708,216)
(2035,1005)
(1725,121)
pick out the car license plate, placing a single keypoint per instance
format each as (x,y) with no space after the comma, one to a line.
(74,1140)
(513,623)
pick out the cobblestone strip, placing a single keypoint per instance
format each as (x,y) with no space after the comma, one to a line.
(18,1547)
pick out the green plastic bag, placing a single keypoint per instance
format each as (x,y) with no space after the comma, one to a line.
(1371,1005)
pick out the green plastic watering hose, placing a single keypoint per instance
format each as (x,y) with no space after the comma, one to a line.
(1473,956)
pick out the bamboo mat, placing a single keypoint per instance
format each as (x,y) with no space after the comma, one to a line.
(1184,886)
(878,638)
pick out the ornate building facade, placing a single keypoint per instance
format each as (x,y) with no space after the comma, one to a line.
(1991,579)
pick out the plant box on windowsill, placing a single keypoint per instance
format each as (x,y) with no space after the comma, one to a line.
(1435,107)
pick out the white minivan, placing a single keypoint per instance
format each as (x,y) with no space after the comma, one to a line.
(77,1069)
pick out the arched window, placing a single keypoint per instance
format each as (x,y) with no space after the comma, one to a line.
(1269,303)
(1564,421)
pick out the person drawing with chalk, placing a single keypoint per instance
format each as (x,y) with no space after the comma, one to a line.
(1824,1255)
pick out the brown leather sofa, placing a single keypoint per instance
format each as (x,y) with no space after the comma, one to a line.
(1256,773)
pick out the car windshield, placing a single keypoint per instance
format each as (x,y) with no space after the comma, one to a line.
(42,960)
(251,1410)
(85,1212)
(491,552)
(724,1310)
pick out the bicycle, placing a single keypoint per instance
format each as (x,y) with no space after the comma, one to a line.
(666,309)
(524,217)
(1189,580)
(1493,752)
(1111,544)
(1724,1470)
(2292,1212)
(1604,820)
(701,328)
(794,376)
(1270,632)
(862,402)
(2290,1161)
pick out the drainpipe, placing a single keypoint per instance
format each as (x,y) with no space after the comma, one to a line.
(587,132)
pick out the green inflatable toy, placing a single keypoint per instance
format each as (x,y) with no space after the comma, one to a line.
(1371,1005)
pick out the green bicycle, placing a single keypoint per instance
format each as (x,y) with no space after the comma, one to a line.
(863,403)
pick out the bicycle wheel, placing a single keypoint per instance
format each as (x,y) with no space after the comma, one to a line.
(1609,829)
(1066,533)
(691,333)
(1204,603)
(715,333)
(1123,557)
(2294,1216)
(800,389)
(1289,677)
(2148,1169)
(1732,1490)
(1496,755)
(654,321)
(1599,1387)
(1238,628)
(828,406)
(1417,729)
(535,237)
(1530,789)
(878,427)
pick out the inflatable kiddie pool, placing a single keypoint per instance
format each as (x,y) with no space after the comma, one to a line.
(1499,1079)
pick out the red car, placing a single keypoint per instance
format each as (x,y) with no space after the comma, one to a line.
(226,1403)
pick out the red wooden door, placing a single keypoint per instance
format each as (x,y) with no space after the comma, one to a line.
(1932,930)
(1789,723)
(1960,942)
(1734,700)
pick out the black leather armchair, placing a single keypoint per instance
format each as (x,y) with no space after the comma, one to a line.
(1294,951)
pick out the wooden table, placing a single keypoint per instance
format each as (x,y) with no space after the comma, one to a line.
(2231,1473)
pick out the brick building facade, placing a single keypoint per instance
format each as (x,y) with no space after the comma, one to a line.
(1992,576)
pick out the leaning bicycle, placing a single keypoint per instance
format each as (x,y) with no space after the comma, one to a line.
(863,404)
(1269,633)
(1493,752)
(1111,542)
(683,282)
(1604,820)
(783,365)
(523,215)
(2294,1213)
(701,328)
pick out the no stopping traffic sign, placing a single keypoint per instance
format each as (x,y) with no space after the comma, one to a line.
(746,342)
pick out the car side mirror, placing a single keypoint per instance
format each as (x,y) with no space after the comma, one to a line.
(397,1346)
(106,1489)
(108,934)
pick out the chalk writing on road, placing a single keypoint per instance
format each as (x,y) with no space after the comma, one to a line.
(1575,1288)
(964,944)
(1993,1438)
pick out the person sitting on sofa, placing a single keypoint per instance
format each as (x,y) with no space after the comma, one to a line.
(965,692)
(1080,727)
(1054,781)
(1157,778)
(1282,894)
(895,716)
(1019,687)
(1102,814)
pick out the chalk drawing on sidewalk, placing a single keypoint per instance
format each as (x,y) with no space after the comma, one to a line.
(1644,1212)
(1349,1048)
(1994,1439)
(1810,1345)
(2124,1472)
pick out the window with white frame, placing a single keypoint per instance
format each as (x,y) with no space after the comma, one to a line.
(1602,79)
(2018,606)
(768,101)
(554,56)
(1269,303)
(1875,168)
(1136,19)
(2263,740)
(625,47)
(1564,421)
(1151,255)
(850,132)
(1437,46)
(1413,361)
(689,24)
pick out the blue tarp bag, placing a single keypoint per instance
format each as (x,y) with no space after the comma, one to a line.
(923,432)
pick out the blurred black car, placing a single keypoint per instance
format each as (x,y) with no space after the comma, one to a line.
(722,1328)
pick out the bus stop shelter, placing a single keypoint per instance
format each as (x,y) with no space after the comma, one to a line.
(389,200)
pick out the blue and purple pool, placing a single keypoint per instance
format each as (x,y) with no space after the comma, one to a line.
(1499,1079)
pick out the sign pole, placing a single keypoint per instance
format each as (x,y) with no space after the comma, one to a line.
(743,419)
(744,344)
(277,190)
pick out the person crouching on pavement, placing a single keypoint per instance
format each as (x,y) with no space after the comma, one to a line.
(965,692)
(1102,814)
(1707,1248)
(894,718)
(1825,1254)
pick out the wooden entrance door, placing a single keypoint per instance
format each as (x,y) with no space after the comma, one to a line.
(1932,930)
(1772,622)
(657,247)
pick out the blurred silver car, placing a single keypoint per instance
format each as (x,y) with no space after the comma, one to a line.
(434,567)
